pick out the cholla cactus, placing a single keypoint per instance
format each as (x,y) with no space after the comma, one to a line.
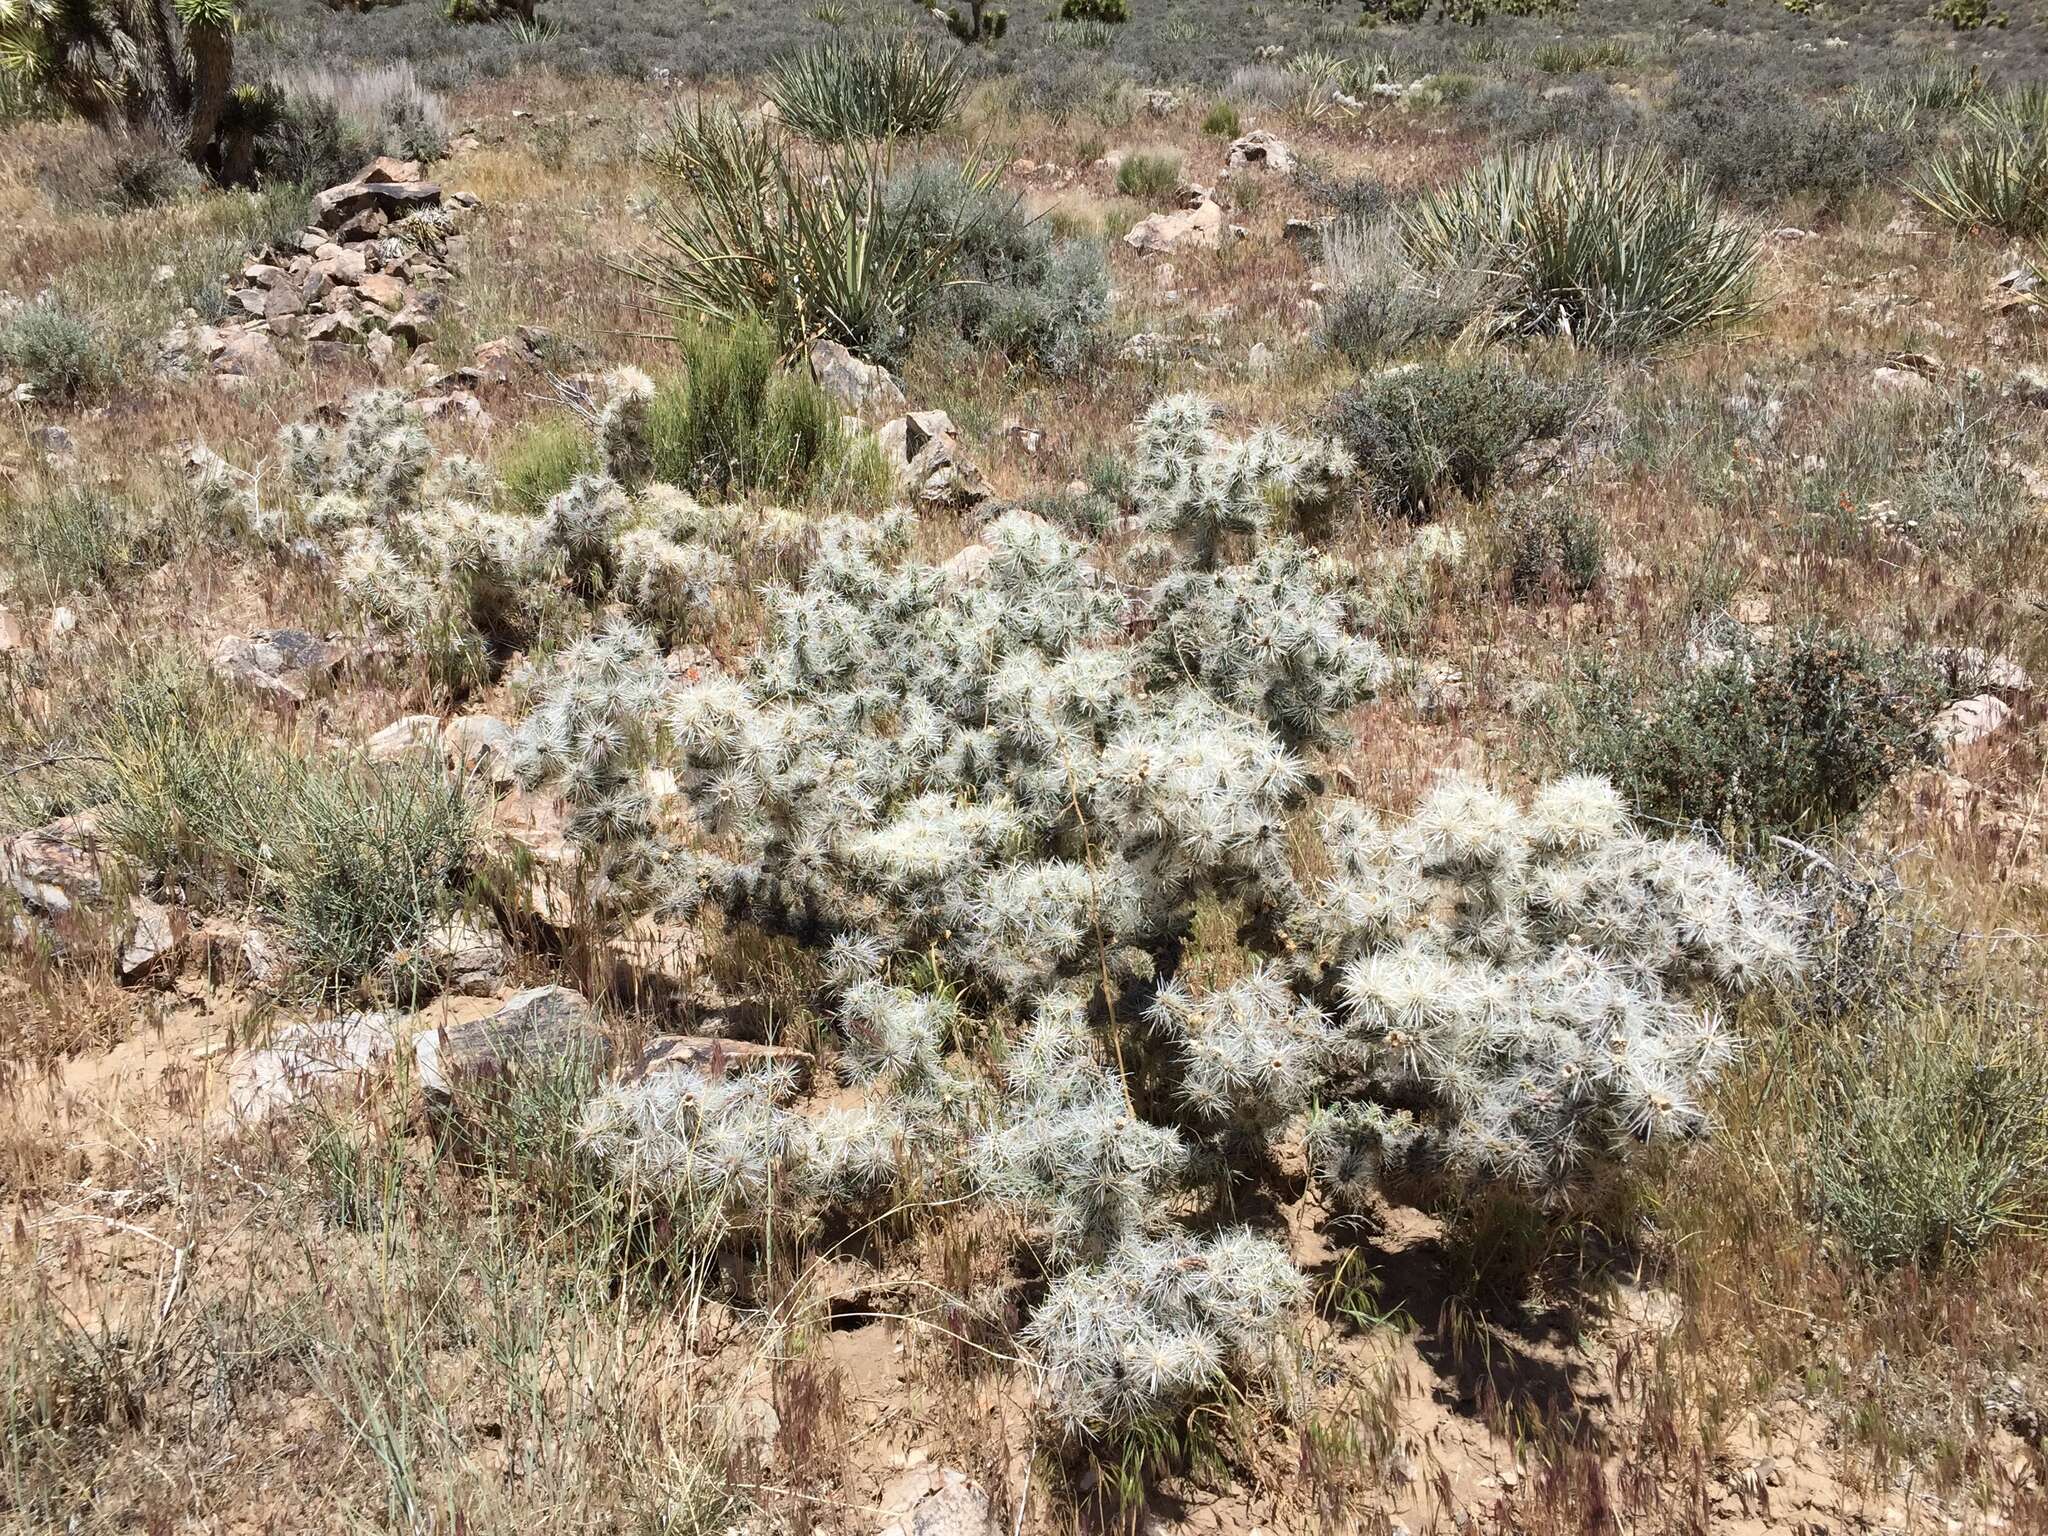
(432,549)
(1157,1323)
(1252,1054)
(1195,484)
(1267,639)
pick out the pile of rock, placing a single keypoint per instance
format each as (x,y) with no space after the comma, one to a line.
(363,277)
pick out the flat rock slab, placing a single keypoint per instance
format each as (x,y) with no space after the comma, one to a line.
(542,1028)
(287,664)
(713,1058)
(58,866)
(320,1056)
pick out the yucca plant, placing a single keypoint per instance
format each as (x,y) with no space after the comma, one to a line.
(1996,176)
(1617,248)
(810,242)
(835,93)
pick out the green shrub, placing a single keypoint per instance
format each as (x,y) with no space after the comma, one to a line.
(1035,299)
(1108,12)
(545,459)
(321,125)
(1758,737)
(1427,429)
(1966,15)
(1383,308)
(1616,248)
(1148,175)
(1758,142)
(736,421)
(834,92)
(58,354)
(810,244)
(1222,121)
(1996,176)
(1549,546)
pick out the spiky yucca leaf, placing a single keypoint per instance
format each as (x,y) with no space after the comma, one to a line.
(834,93)
(1996,176)
(1616,248)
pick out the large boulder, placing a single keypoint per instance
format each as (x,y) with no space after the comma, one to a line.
(539,1030)
(289,665)
(1197,228)
(1266,151)
(856,385)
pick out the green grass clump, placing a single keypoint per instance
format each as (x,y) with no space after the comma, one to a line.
(59,355)
(1222,121)
(1148,174)
(1615,248)
(736,421)
(833,92)
(79,540)
(545,460)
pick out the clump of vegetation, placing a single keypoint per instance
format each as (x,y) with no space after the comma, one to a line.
(1995,177)
(544,460)
(1756,141)
(996,784)
(1035,298)
(1426,430)
(323,125)
(1757,738)
(1615,248)
(1148,174)
(355,863)
(80,540)
(1107,12)
(1222,121)
(834,92)
(1383,306)
(736,421)
(59,355)
(1549,546)
(812,248)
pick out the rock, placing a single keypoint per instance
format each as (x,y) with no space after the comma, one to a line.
(1303,233)
(383,290)
(59,866)
(302,1060)
(1900,381)
(856,385)
(542,1027)
(415,327)
(247,355)
(923,447)
(237,953)
(709,1057)
(929,1502)
(1028,439)
(1262,149)
(1259,360)
(409,734)
(365,207)
(507,360)
(287,664)
(1199,228)
(11,637)
(481,745)
(155,936)
(968,567)
(1967,722)
(1981,670)
(387,169)
(466,956)
(2028,386)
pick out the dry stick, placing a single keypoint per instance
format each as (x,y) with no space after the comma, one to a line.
(1116,1043)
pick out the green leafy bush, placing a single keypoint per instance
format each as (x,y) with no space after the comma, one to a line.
(545,460)
(834,92)
(1148,174)
(1109,12)
(58,354)
(1222,121)
(1616,248)
(1034,298)
(1757,737)
(1427,429)
(1756,141)
(808,243)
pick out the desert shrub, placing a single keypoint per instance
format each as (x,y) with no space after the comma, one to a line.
(1586,111)
(1615,248)
(735,420)
(814,249)
(1755,140)
(1036,299)
(79,540)
(61,356)
(1110,12)
(317,126)
(1995,177)
(354,862)
(1549,545)
(1966,15)
(119,172)
(544,460)
(1425,430)
(1148,174)
(991,796)
(1222,121)
(834,92)
(1383,306)
(1756,738)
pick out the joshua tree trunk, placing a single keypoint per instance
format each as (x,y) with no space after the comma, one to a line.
(212,45)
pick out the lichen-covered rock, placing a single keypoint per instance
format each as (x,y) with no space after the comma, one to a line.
(542,1028)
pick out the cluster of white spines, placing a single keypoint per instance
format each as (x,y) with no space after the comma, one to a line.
(1196,485)
(1158,1322)
(1251,1054)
